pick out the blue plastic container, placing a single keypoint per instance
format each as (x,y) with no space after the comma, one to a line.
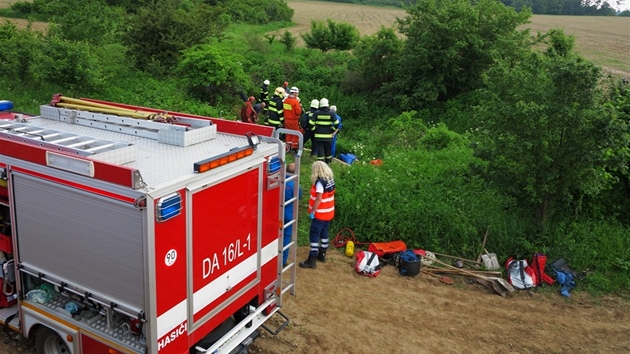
(347,158)
(6,106)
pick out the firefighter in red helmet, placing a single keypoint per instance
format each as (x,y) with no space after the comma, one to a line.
(248,114)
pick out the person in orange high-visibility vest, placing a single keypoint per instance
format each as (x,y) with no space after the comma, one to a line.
(321,211)
(292,110)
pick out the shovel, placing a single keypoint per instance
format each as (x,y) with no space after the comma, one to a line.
(499,285)
(490,261)
(444,279)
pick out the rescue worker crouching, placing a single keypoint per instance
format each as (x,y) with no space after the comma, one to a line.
(248,114)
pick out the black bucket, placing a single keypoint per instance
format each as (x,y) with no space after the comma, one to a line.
(410,268)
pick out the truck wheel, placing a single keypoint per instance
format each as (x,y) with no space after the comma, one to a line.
(48,341)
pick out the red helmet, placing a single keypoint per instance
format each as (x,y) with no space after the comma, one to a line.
(285,84)
(251,99)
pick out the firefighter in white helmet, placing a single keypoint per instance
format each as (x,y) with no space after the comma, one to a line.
(292,111)
(264,95)
(324,124)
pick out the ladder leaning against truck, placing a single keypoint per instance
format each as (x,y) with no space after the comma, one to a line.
(126,229)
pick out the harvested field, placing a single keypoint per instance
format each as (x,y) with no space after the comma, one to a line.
(37,26)
(603,40)
(368,19)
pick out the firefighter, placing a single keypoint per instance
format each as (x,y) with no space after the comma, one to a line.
(334,140)
(264,95)
(258,108)
(308,133)
(285,87)
(248,114)
(275,111)
(292,111)
(321,210)
(324,124)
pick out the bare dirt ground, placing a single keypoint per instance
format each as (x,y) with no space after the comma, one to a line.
(335,310)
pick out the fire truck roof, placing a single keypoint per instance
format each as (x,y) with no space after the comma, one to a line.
(162,150)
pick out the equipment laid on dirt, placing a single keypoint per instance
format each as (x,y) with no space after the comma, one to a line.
(444,279)
(408,263)
(499,285)
(520,274)
(135,230)
(470,261)
(439,270)
(349,249)
(344,236)
(490,261)
(368,264)
(526,275)
(483,245)
(386,248)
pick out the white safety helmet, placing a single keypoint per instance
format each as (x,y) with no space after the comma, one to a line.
(315,104)
(323,102)
(294,90)
(266,82)
(279,91)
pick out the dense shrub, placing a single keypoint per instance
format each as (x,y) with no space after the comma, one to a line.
(331,36)
(426,198)
(211,73)
(255,12)
(159,31)
(69,64)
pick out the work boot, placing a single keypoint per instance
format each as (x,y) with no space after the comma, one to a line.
(310,262)
(321,256)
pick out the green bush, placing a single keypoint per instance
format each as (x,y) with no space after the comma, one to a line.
(255,12)
(69,64)
(160,31)
(599,249)
(211,72)
(23,7)
(425,197)
(325,37)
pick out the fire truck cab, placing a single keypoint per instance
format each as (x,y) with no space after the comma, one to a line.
(133,230)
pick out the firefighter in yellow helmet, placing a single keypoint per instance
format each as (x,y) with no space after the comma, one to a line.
(275,109)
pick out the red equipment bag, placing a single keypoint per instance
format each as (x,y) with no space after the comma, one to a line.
(520,274)
(383,248)
(539,261)
(368,264)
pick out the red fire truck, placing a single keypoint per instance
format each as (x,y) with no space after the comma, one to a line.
(126,229)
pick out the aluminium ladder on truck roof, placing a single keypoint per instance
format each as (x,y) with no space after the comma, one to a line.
(57,140)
